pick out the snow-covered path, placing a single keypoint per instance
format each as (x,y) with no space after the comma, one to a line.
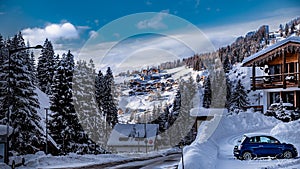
(216,152)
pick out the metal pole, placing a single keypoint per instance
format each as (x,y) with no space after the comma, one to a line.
(46,130)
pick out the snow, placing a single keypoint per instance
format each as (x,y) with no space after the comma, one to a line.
(288,132)
(42,161)
(272,47)
(216,152)
(146,102)
(3,130)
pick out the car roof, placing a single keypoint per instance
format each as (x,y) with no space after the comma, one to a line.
(257,134)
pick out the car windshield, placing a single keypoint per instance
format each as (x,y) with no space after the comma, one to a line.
(242,140)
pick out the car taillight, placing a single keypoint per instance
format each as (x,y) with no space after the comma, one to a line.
(240,147)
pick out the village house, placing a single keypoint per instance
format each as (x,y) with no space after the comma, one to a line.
(280,80)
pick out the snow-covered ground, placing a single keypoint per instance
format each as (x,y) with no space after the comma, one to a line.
(42,161)
(216,152)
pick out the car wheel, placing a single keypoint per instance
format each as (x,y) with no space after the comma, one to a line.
(287,154)
(247,156)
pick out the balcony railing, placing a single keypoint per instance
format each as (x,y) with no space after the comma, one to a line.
(276,81)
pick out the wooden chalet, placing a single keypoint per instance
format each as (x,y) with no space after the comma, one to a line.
(281,72)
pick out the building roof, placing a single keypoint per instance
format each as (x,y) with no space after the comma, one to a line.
(295,39)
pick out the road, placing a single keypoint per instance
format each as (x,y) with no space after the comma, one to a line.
(165,162)
(169,162)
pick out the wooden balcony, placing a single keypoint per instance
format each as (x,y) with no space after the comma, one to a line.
(276,81)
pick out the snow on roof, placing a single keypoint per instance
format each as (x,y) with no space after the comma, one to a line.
(283,104)
(272,47)
(257,134)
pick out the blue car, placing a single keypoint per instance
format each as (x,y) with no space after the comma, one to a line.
(262,145)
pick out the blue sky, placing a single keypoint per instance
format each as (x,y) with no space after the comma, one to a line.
(69,25)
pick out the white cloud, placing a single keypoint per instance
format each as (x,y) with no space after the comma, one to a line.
(140,52)
(93,34)
(155,22)
(54,32)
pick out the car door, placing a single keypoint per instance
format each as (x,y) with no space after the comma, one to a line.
(260,149)
(269,146)
(255,144)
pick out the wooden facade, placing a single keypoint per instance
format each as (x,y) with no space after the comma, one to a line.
(281,72)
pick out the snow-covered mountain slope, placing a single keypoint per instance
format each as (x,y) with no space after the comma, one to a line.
(217,151)
(139,104)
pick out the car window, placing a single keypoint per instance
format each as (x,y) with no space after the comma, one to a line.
(273,140)
(254,139)
(265,139)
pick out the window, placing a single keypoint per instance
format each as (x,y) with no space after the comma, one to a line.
(274,97)
(254,139)
(265,140)
(288,97)
(268,139)
(275,69)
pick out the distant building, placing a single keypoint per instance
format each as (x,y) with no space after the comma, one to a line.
(133,137)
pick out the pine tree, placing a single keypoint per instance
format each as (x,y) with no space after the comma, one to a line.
(239,97)
(207,93)
(45,67)
(281,30)
(177,101)
(99,91)
(286,30)
(20,99)
(109,107)
(293,28)
(228,93)
(198,78)
(85,103)
(226,64)
(64,126)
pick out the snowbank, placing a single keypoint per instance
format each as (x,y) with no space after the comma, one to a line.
(203,153)
(42,161)
(288,132)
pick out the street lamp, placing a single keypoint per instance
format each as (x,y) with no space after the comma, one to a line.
(10,52)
